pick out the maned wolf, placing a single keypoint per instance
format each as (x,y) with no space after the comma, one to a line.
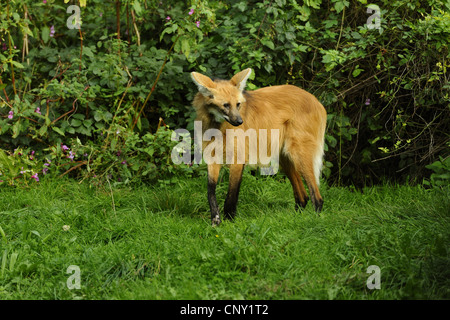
(295,115)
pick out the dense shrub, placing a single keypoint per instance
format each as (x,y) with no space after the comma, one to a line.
(113,90)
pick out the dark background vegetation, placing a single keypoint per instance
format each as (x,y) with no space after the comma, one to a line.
(100,103)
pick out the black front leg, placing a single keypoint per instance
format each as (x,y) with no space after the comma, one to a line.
(213,177)
(233,190)
(215,215)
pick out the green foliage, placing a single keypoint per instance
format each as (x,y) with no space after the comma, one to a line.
(386,90)
(82,92)
(19,168)
(441,173)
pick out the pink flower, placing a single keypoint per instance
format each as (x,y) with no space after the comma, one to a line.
(35,176)
(64,147)
(70,156)
(11,115)
(198,24)
(44,1)
(168,18)
(191,12)
(52,31)
(38,110)
(367,101)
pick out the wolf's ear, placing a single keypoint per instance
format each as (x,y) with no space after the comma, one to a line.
(240,79)
(203,83)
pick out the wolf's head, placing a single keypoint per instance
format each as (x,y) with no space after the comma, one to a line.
(223,98)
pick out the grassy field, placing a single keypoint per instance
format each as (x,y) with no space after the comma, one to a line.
(157,243)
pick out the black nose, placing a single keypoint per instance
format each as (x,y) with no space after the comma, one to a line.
(239,122)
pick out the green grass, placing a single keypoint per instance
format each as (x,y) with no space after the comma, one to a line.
(157,243)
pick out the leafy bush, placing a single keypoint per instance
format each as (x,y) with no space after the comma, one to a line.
(386,89)
(89,94)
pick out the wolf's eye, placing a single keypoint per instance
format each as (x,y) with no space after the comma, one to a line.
(226,105)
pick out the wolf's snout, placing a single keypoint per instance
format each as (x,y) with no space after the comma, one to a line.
(237,122)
